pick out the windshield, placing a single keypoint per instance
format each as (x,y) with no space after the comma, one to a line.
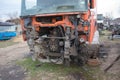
(30,4)
(32,7)
(7,28)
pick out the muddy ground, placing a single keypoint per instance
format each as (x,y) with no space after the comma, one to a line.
(10,71)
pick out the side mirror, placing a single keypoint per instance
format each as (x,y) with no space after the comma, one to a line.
(92,4)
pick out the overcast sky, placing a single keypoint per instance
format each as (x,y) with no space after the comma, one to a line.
(109,6)
(103,6)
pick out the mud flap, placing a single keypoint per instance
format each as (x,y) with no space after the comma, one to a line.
(96,38)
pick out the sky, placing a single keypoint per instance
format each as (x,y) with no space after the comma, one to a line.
(105,7)
(111,7)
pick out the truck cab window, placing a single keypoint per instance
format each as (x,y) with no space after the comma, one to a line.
(30,4)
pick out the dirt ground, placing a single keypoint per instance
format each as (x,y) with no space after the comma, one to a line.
(10,71)
(8,57)
(113,49)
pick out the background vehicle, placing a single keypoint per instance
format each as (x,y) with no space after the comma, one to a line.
(61,29)
(115,32)
(100,21)
(7,31)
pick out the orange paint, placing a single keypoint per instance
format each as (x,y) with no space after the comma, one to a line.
(23,30)
(92,29)
(64,22)
(84,37)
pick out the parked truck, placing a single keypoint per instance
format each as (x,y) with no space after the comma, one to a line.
(100,21)
(61,30)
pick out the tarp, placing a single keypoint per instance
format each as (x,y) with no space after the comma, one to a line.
(7,35)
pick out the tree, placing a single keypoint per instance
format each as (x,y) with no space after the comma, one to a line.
(13,18)
(13,15)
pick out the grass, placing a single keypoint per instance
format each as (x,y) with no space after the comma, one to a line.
(7,43)
(106,32)
(54,71)
(104,38)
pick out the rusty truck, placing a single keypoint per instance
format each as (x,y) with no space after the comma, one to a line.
(61,30)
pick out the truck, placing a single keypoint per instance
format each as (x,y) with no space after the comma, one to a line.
(100,21)
(61,30)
